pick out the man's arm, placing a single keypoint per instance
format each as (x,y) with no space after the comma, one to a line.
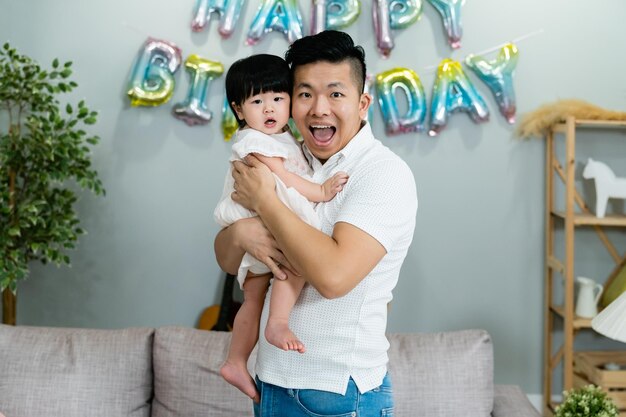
(335,264)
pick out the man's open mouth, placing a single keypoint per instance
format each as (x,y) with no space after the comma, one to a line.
(322,133)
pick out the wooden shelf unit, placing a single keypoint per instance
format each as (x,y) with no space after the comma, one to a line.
(570,219)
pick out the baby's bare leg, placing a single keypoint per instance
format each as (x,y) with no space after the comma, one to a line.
(284,296)
(245,335)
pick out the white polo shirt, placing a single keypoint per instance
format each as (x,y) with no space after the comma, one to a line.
(345,337)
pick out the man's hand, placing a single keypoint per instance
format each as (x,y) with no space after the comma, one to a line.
(250,235)
(254,182)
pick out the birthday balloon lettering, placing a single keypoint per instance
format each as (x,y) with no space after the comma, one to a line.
(450,11)
(453,91)
(152,77)
(193,110)
(229,121)
(498,76)
(409,82)
(369,88)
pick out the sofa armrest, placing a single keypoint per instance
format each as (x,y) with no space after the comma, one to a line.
(510,401)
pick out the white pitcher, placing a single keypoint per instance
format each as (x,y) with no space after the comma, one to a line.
(587,301)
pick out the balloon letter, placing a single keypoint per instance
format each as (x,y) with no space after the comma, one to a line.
(228,11)
(193,110)
(393,14)
(333,14)
(386,85)
(229,121)
(450,11)
(453,91)
(280,15)
(152,77)
(369,88)
(498,75)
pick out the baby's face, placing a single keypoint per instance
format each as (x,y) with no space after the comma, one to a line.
(267,112)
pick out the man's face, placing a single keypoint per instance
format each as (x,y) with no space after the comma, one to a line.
(327,106)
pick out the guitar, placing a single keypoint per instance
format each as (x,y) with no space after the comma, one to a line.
(221,317)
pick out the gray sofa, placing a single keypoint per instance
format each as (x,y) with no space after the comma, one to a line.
(174,371)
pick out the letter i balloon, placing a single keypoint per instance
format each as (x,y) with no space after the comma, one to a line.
(498,75)
(193,110)
(333,14)
(276,15)
(152,77)
(453,91)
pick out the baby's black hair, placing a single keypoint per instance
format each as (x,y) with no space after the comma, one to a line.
(254,75)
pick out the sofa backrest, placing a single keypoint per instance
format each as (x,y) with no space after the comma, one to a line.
(49,372)
(79,372)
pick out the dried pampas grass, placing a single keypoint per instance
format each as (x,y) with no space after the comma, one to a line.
(537,123)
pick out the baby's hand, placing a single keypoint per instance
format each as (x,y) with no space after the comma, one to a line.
(334,184)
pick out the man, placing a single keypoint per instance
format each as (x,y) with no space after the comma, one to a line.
(351,265)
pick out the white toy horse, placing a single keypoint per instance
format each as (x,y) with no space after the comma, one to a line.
(607,185)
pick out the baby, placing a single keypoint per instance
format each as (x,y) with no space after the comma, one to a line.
(258,89)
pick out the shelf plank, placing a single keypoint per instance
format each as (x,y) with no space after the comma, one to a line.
(583,219)
(579,322)
(587,123)
(556,265)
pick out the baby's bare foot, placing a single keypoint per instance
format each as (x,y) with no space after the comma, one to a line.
(277,332)
(238,376)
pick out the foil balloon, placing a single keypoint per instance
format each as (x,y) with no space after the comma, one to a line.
(387,83)
(228,11)
(152,77)
(276,15)
(229,121)
(294,130)
(369,88)
(193,110)
(498,76)
(453,91)
(393,14)
(333,14)
(450,11)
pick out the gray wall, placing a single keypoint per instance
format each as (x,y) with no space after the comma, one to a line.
(477,257)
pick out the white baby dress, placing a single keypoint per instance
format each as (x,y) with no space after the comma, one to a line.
(281,145)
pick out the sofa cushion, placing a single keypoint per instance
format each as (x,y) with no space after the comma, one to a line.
(75,372)
(442,374)
(187,381)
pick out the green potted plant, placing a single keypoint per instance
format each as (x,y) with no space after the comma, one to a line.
(589,401)
(44,158)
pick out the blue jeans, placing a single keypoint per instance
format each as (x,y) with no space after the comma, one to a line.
(279,402)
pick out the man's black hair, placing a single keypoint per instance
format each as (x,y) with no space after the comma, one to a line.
(330,46)
(254,75)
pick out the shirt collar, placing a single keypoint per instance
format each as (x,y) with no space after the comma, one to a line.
(359,142)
